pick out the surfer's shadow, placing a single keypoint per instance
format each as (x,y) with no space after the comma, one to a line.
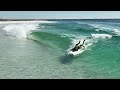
(67,59)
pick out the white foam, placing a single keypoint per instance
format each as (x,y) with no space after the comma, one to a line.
(21,29)
(100,27)
(101,36)
(21,22)
(113,29)
(117,32)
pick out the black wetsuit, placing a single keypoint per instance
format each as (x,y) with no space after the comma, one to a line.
(77,46)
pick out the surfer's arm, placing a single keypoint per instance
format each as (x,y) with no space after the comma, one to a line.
(83,42)
(78,43)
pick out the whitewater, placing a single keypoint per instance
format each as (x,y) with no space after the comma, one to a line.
(39,49)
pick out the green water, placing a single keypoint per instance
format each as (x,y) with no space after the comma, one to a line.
(44,53)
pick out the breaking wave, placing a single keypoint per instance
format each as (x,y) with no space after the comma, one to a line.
(21,29)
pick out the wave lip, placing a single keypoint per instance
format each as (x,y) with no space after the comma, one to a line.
(102,36)
(19,30)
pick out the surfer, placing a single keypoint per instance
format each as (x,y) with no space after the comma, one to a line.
(77,46)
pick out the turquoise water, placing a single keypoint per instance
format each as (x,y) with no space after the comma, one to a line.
(43,51)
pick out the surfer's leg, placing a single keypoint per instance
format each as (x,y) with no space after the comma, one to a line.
(74,49)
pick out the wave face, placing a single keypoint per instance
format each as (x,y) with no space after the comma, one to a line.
(99,59)
(52,40)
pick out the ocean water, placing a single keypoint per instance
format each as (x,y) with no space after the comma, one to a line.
(40,50)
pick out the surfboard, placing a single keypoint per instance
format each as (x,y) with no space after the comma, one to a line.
(76,52)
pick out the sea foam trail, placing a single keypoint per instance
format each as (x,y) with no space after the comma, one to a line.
(117,32)
(108,28)
(102,36)
(102,27)
(21,29)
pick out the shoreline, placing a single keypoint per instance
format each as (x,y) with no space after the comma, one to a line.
(12,22)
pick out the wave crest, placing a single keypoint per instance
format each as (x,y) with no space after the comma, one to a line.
(19,30)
